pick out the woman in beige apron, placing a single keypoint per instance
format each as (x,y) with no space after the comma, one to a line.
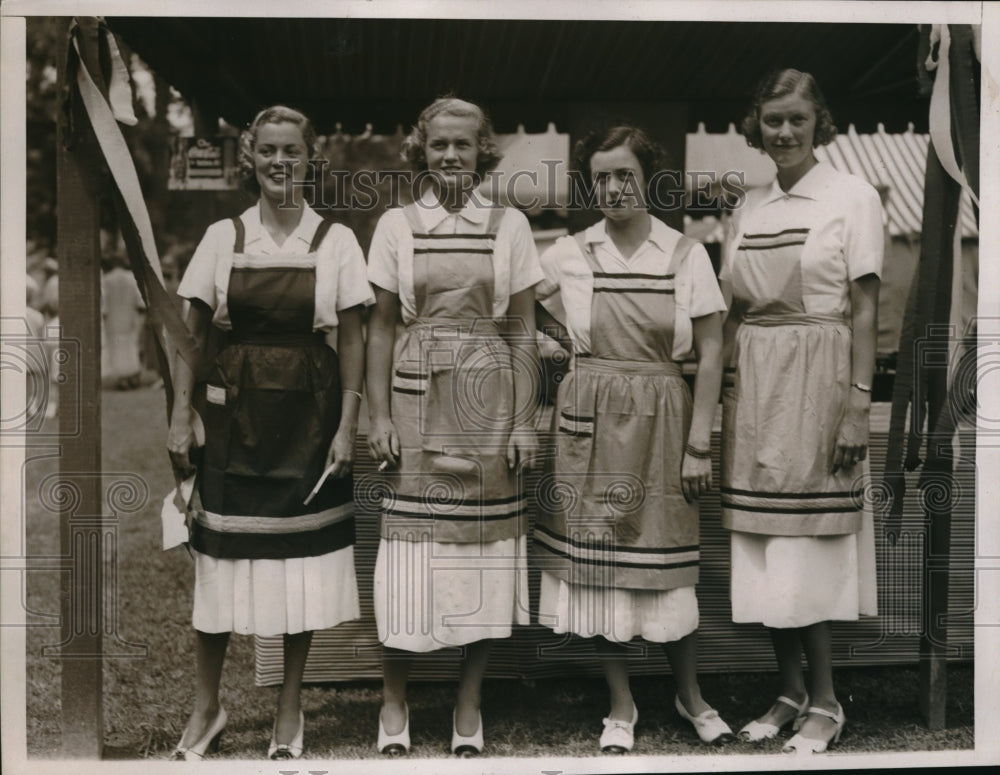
(802,273)
(617,534)
(452,403)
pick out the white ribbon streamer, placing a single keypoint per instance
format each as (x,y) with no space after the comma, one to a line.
(119,159)
(940,109)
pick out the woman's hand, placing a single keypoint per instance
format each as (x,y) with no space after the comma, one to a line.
(341,454)
(852,435)
(383,441)
(696,477)
(180,436)
(522,448)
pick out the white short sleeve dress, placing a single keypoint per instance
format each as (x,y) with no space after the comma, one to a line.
(802,538)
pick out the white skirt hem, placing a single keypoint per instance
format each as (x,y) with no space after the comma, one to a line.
(275,597)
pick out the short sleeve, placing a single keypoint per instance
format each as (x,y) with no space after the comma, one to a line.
(549,284)
(865,243)
(352,282)
(198,281)
(383,261)
(525,271)
(705,295)
(731,232)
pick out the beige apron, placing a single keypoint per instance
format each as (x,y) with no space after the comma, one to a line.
(782,409)
(453,400)
(611,509)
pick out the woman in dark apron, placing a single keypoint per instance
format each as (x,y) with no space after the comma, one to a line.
(452,402)
(803,274)
(617,534)
(284,290)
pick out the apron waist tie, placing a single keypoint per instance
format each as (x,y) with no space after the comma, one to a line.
(445,327)
(795,319)
(613,366)
(289,339)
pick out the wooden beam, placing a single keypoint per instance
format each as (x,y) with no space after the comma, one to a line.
(81,517)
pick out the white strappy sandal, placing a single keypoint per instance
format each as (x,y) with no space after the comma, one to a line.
(800,744)
(756,731)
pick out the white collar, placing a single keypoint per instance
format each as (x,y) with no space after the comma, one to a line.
(809,186)
(659,233)
(432,214)
(254,231)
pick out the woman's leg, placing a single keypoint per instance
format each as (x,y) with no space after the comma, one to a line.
(683,656)
(210,654)
(290,697)
(787,645)
(818,645)
(615,667)
(395,673)
(470,684)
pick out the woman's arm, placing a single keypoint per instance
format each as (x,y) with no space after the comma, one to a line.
(383,443)
(551,327)
(351,354)
(520,335)
(696,467)
(179,435)
(852,435)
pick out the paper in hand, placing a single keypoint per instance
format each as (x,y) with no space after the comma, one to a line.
(173,514)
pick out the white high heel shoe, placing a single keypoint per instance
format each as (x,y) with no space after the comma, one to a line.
(292,750)
(209,741)
(394,745)
(800,744)
(756,731)
(466,746)
(708,724)
(619,736)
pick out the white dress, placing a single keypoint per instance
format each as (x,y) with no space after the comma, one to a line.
(651,594)
(263,596)
(792,260)
(430,593)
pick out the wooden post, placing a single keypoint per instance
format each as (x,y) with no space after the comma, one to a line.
(81,516)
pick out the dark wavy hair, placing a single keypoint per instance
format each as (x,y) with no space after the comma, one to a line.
(652,158)
(780,83)
(412,149)
(276,114)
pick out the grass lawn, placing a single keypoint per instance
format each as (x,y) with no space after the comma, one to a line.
(149,689)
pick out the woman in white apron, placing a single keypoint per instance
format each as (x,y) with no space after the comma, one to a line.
(452,405)
(617,533)
(284,290)
(803,275)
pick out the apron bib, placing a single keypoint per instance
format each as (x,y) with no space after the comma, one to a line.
(783,406)
(271,404)
(612,510)
(453,399)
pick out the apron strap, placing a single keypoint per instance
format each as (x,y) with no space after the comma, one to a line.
(240,235)
(496,215)
(683,247)
(587,251)
(321,230)
(413,218)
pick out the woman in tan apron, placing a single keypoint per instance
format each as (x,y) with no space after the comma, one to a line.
(284,290)
(452,403)
(802,273)
(617,534)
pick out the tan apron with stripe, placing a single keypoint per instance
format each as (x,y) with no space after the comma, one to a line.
(783,404)
(611,510)
(453,400)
